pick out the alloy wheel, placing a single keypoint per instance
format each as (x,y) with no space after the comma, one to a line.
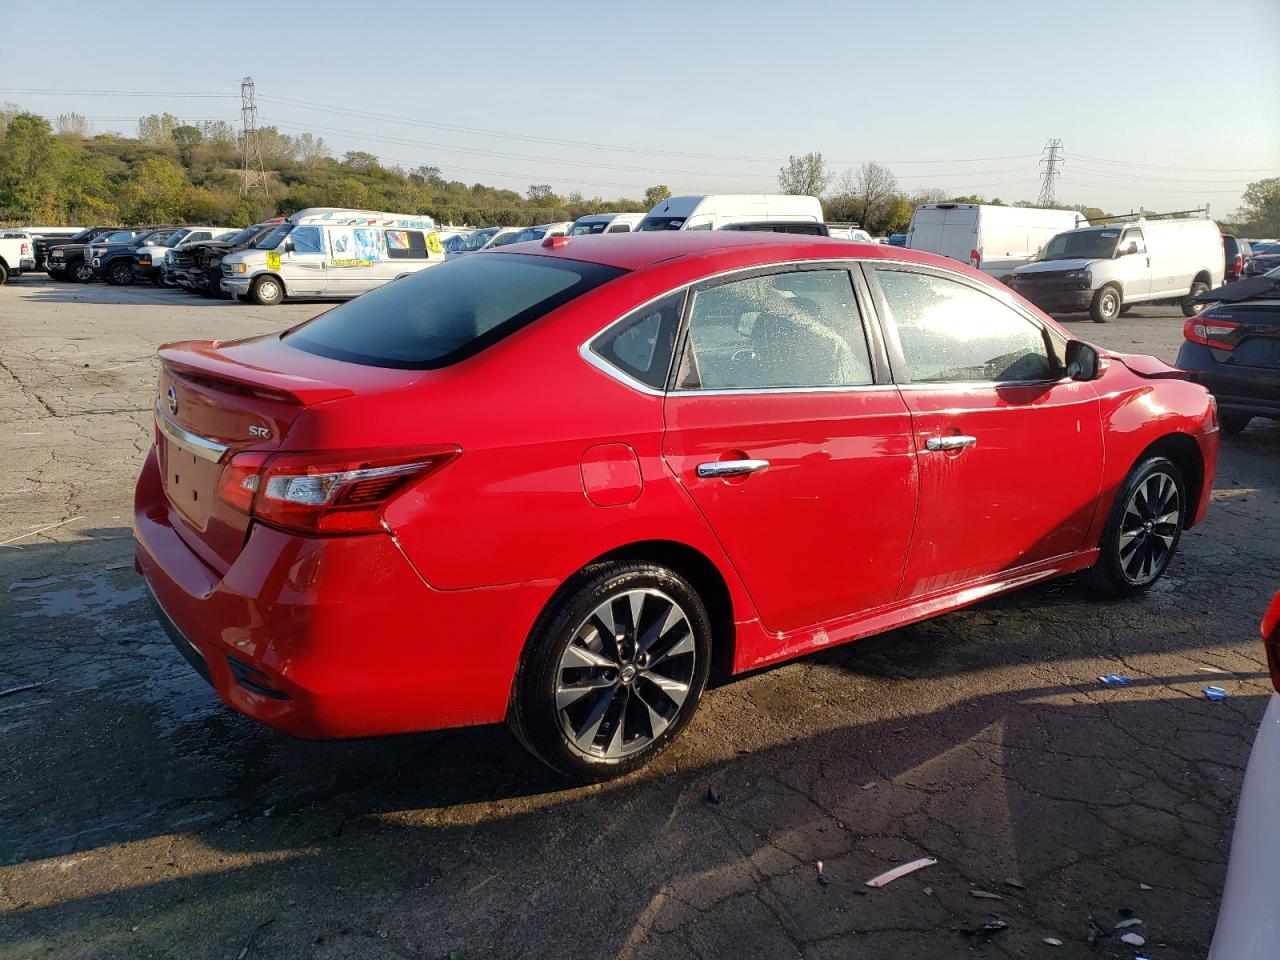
(1149,528)
(625,674)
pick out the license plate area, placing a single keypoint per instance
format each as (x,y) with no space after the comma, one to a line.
(190,482)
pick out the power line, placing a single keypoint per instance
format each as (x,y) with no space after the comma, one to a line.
(1156,166)
(1049,185)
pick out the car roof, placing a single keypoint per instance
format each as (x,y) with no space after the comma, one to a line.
(637,250)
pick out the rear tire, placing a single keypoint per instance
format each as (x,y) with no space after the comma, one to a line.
(612,671)
(120,274)
(1232,423)
(1142,529)
(4,274)
(1106,305)
(1190,309)
(267,291)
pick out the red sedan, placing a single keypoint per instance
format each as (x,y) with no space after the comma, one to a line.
(560,484)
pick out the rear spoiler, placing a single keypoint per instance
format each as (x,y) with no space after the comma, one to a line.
(206,359)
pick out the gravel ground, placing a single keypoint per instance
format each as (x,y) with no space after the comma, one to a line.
(140,818)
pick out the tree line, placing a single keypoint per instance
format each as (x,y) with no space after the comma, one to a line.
(61,172)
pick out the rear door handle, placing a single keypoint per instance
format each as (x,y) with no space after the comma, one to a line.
(949,443)
(731,468)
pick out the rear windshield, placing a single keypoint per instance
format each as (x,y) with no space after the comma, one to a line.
(588,228)
(446,313)
(661,223)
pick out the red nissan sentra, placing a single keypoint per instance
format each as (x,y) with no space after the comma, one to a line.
(560,484)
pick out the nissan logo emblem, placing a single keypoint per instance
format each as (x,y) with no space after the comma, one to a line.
(173,400)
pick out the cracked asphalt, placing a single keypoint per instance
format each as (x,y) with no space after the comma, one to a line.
(140,818)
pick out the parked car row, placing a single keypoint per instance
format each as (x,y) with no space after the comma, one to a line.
(120,256)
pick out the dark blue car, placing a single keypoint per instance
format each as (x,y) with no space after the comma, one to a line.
(1233,349)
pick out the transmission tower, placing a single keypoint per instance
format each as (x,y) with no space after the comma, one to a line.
(254,173)
(1049,179)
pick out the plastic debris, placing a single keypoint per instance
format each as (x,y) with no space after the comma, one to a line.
(1145,886)
(1126,924)
(985,895)
(1134,939)
(901,871)
(1015,883)
(713,795)
(1212,670)
(869,785)
(1215,693)
(928,891)
(988,928)
(1053,941)
(20,688)
(1117,679)
(822,877)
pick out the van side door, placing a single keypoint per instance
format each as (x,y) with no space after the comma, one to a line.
(302,261)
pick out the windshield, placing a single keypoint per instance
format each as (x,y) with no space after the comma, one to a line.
(661,223)
(170,239)
(438,316)
(583,229)
(120,236)
(477,240)
(1082,245)
(1265,249)
(244,236)
(272,239)
(506,238)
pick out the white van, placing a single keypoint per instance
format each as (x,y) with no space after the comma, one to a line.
(333,254)
(715,211)
(996,240)
(1106,270)
(594,223)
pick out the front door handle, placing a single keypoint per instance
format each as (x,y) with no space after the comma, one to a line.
(949,443)
(731,468)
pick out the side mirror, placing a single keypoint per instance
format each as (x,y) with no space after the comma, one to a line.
(1082,361)
(289,245)
(1131,248)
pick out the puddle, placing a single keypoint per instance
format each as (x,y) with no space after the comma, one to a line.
(87,595)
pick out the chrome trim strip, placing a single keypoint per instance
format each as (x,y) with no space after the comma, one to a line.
(193,443)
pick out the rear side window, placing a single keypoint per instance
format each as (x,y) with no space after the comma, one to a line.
(449,312)
(788,330)
(951,333)
(641,345)
(406,245)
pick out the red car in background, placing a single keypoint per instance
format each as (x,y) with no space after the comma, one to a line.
(559,484)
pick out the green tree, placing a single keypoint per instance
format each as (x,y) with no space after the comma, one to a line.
(73,125)
(1260,207)
(31,165)
(541,194)
(804,176)
(156,129)
(655,195)
(155,192)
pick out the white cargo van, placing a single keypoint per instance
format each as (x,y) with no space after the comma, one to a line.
(333,254)
(715,211)
(594,223)
(996,240)
(1106,270)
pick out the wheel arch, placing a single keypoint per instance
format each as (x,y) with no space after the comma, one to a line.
(1205,277)
(1185,454)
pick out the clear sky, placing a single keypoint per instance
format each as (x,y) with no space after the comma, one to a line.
(1165,104)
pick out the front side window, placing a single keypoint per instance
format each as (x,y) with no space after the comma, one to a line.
(794,329)
(1132,242)
(641,345)
(436,317)
(307,240)
(951,333)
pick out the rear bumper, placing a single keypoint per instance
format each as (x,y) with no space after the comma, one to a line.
(26,263)
(332,637)
(1248,921)
(1252,390)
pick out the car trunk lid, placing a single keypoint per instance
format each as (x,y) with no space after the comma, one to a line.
(217,400)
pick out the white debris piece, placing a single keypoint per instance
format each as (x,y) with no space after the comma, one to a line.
(901,871)
(1134,939)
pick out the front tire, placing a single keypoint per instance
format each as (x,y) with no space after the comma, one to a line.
(1232,423)
(80,272)
(1143,528)
(120,274)
(4,274)
(1106,305)
(1190,309)
(613,670)
(267,291)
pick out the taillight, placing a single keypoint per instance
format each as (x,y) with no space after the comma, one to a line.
(975,259)
(330,493)
(25,248)
(1271,637)
(1238,267)
(1210,332)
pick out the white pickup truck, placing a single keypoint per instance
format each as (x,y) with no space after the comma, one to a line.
(17,253)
